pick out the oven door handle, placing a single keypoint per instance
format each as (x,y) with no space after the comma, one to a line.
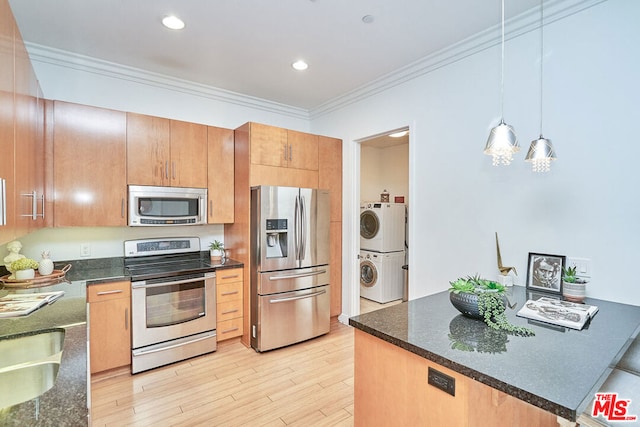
(169,347)
(315,294)
(137,285)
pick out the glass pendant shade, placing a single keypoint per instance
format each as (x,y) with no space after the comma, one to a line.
(540,154)
(502,144)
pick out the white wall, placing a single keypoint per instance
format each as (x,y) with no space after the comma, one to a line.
(384,169)
(587,206)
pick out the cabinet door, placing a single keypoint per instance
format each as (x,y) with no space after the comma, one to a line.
(268,145)
(188,155)
(90,166)
(7,231)
(109,325)
(330,173)
(147,150)
(220,174)
(303,150)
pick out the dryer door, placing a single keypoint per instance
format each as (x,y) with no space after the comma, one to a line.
(368,274)
(369,224)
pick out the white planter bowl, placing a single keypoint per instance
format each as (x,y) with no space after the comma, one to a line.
(25,274)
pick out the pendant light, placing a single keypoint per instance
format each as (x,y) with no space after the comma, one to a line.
(502,141)
(541,150)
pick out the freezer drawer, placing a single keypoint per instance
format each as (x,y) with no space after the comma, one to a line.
(292,280)
(290,317)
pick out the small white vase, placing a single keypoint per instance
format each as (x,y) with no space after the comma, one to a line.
(27,274)
(574,292)
(45,266)
(216,254)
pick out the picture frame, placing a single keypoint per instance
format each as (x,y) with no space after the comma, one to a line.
(544,272)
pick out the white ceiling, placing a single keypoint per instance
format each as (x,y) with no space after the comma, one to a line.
(247,46)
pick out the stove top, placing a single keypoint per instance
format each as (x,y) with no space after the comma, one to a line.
(158,258)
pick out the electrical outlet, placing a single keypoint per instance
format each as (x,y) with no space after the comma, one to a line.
(582,265)
(85,249)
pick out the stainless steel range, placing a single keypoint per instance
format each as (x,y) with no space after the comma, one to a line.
(173,301)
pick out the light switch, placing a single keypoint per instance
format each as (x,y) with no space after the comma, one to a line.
(582,265)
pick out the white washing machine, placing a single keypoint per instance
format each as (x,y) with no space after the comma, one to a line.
(382,226)
(381,275)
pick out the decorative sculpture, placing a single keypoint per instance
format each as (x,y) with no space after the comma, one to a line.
(503,270)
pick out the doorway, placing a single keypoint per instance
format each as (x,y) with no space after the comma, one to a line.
(383,188)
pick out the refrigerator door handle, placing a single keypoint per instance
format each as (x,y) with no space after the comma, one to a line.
(304,225)
(299,275)
(296,228)
(315,294)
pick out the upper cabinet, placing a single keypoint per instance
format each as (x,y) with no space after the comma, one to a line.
(164,152)
(21,135)
(89,149)
(280,156)
(220,176)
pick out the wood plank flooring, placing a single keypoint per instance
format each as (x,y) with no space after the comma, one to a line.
(307,384)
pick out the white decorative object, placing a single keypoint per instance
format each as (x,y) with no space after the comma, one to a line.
(27,274)
(14,254)
(46,265)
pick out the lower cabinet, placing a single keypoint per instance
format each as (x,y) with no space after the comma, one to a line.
(109,325)
(229,312)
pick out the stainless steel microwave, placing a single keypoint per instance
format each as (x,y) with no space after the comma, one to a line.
(162,206)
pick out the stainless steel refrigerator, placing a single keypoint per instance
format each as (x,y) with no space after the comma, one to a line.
(290,298)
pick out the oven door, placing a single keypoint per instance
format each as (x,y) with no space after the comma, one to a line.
(171,308)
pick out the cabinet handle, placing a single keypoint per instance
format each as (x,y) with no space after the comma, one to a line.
(3,202)
(126,318)
(230,277)
(121,208)
(42,205)
(290,153)
(166,169)
(235,310)
(226,331)
(224,294)
(173,170)
(115,291)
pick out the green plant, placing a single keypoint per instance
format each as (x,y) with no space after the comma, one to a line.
(24,264)
(569,274)
(216,245)
(491,303)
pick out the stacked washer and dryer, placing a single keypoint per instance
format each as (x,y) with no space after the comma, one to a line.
(382,251)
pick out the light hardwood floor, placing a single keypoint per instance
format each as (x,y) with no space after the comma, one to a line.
(367,305)
(308,384)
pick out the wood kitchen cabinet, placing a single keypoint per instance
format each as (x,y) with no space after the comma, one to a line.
(7,147)
(282,157)
(220,173)
(164,152)
(89,166)
(229,303)
(109,325)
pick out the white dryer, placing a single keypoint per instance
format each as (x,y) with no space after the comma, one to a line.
(382,226)
(381,276)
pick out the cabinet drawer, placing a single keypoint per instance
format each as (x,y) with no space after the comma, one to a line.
(228,276)
(229,310)
(228,292)
(229,329)
(108,291)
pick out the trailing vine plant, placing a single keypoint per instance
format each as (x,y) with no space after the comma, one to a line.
(491,307)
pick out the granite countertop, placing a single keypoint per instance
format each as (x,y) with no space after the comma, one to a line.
(65,404)
(558,369)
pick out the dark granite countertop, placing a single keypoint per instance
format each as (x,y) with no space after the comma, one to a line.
(558,369)
(65,404)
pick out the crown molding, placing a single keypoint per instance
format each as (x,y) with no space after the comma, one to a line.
(514,27)
(525,22)
(66,59)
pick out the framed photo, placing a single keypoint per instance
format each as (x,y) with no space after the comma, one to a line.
(544,273)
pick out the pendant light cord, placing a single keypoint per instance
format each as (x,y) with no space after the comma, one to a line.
(541,60)
(502,69)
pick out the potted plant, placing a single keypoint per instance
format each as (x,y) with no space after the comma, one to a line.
(216,249)
(484,299)
(24,268)
(573,287)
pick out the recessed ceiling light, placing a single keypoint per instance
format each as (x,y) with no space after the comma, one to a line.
(300,65)
(368,19)
(399,134)
(173,22)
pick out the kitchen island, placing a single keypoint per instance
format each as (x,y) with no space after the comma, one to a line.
(495,378)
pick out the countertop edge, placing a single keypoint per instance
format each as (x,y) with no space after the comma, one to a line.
(533,399)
